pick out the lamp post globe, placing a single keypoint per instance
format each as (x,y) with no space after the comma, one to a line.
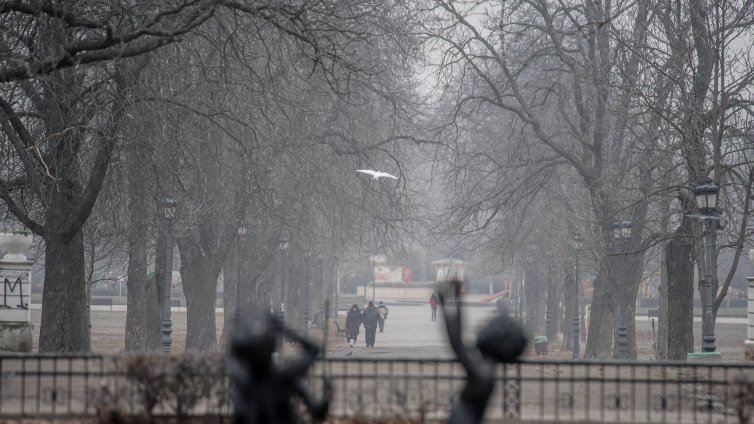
(706,196)
(622,233)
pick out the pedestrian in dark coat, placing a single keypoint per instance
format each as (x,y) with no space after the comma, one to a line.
(370,317)
(353,322)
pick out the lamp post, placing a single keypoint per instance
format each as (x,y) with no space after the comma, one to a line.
(577,244)
(307,276)
(706,202)
(241,233)
(749,343)
(520,297)
(283,246)
(621,234)
(337,288)
(373,262)
(169,209)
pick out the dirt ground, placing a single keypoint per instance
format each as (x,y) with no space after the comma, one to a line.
(108,331)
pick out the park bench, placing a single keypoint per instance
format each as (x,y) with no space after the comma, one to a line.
(339,330)
(102,301)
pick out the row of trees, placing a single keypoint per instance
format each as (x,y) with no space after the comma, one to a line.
(545,118)
(236,109)
(571,116)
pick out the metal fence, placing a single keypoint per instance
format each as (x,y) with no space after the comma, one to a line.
(76,386)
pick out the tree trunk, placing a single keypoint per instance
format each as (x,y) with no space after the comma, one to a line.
(662,320)
(535,294)
(679,255)
(65,299)
(199,274)
(602,321)
(140,298)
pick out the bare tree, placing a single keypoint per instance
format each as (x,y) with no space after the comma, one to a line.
(548,70)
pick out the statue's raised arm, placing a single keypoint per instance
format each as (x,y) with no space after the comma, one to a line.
(502,340)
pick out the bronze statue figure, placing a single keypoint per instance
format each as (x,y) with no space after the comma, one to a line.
(263,388)
(502,340)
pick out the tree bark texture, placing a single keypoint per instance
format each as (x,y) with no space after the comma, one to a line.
(679,252)
(65,299)
(602,321)
(140,298)
(199,273)
(145,294)
(536,290)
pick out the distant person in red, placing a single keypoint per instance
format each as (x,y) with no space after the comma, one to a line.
(433,301)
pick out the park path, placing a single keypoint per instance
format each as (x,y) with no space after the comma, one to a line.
(410,334)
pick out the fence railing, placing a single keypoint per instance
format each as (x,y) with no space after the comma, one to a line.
(77,386)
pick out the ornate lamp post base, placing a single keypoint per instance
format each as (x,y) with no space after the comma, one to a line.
(622,341)
(167,330)
(281,338)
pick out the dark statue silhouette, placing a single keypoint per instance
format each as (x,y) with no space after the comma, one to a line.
(264,388)
(502,340)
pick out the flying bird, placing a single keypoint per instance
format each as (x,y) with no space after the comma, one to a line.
(376,175)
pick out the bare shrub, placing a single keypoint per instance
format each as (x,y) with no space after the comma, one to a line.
(178,385)
(742,394)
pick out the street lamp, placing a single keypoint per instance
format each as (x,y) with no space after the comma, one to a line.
(337,288)
(621,234)
(307,276)
(283,246)
(373,260)
(241,233)
(169,210)
(706,201)
(577,245)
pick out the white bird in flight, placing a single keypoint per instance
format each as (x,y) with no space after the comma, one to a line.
(376,175)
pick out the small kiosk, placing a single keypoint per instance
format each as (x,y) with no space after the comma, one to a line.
(449,269)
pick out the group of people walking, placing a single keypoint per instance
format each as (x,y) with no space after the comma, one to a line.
(372,317)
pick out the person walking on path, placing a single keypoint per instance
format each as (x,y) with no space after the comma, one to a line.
(370,317)
(433,301)
(383,310)
(353,322)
